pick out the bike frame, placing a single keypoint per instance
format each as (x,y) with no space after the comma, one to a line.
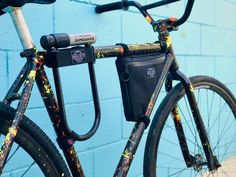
(33,71)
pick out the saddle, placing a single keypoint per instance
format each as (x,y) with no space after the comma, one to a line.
(20,3)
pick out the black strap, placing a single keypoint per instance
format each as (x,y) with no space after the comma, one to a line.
(145,120)
(125,47)
(65,142)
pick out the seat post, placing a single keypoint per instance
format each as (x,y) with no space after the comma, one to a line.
(21,27)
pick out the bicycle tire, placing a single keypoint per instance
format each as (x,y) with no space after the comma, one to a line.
(33,153)
(163,156)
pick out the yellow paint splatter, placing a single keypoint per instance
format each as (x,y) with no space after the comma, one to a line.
(7,138)
(148,18)
(78,166)
(32,74)
(168,41)
(126,154)
(36,60)
(178,118)
(131,141)
(47,88)
(191,88)
(41,57)
(151,104)
(100,55)
(13,131)
(177,115)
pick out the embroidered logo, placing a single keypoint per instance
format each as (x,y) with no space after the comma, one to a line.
(151,72)
(78,56)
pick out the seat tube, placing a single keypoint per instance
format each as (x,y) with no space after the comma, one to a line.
(21,27)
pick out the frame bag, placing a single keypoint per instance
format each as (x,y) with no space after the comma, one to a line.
(138,76)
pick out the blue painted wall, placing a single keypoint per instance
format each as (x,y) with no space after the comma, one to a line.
(204,45)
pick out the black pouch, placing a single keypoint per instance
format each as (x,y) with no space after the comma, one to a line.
(138,75)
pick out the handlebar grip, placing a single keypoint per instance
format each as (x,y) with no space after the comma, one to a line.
(109,7)
(186,14)
(62,40)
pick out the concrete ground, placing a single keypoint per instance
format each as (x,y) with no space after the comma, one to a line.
(228,169)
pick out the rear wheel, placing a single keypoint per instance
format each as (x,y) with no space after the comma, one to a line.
(32,153)
(163,156)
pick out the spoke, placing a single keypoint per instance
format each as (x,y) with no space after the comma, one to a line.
(209,174)
(186,138)
(218,132)
(220,138)
(226,150)
(190,116)
(193,126)
(208,114)
(28,169)
(181,171)
(205,170)
(168,155)
(226,144)
(223,171)
(217,117)
(191,173)
(227,129)
(172,161)
(198,99)
(231,152)
(208,117)
(171,142)
(213,95)
(13,154)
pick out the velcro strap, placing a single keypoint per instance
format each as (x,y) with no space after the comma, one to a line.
(145,120)
(125,47)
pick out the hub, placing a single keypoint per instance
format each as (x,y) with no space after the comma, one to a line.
(198,162)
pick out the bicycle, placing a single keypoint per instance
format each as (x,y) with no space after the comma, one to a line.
(199,150)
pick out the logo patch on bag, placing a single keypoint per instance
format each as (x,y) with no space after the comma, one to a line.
(151,72)
(78,56)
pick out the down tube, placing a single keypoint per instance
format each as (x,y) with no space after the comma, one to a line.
(59,123)
(139,127)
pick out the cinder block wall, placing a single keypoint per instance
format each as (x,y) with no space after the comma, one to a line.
(204,45)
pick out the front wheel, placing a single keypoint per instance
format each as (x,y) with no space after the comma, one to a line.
(163,155)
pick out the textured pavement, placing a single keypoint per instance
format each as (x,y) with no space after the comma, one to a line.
(228,169)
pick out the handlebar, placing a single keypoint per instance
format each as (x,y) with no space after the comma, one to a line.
(125,4)
(110,7)
(186,14)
